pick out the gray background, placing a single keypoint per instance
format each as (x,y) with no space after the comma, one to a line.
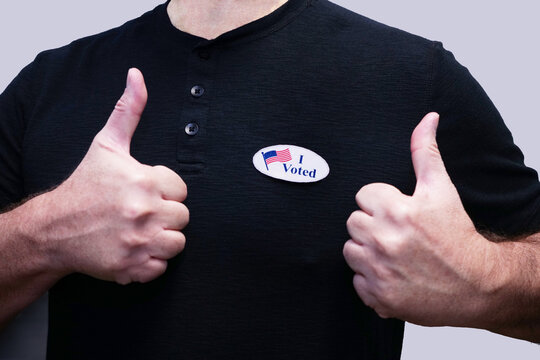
(497,41)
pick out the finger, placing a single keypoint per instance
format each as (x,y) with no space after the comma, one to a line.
(362,288)
(170,184)
(377,198)
(127,112)
(148,271)
(428,164)
(173,215)
(358,226)
(356,257)
(167,244)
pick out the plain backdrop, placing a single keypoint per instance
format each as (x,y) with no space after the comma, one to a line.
(497,41)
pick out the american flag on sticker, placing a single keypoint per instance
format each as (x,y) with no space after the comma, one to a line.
(276,155)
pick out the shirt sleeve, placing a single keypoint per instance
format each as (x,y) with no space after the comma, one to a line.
(500,193)
(14,107)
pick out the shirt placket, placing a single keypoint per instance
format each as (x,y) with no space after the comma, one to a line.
(197,95)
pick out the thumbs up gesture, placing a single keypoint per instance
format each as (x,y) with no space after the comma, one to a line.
(419,258)
(114,218)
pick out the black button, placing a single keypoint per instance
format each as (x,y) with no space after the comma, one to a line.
(203,54)
(197,91)
(192,129)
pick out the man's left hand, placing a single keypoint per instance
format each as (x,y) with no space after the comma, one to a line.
(419,258)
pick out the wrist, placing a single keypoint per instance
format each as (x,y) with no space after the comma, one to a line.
(35,228)
(485,278)
(507,287)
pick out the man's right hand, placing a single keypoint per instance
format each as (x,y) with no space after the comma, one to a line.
(119,220)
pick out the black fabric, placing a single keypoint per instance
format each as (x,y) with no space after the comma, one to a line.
(262,275)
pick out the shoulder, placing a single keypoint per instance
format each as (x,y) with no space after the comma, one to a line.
(356,30)
(360,27)
(97,46)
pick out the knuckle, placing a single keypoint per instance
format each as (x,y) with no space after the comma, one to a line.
(154,270)
(391,304)
(174,178)
(135,209)
(174,245)
(161,168)
(352,221)
(389,243)
(368,301)
(116,261)
(184,215)
(373,190)
(357,283)
(367,188)
(164,171)
(363,191)
(375,297)
(381,293)
(103,141)
(181,243)
(137,274)
(348,250)
(355,220)
(117,266)
(388,302)
(379,242)
(122,278)
(143,278)
(162,267)
(372,187)
(363,293)
(401,212)
(380,280)
(143,180)
(100,139)
(133,240)
(396,246)
(183,187)
(122,106)
(382,312)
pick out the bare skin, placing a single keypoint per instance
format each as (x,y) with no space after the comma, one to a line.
(126,234)
(70,230)
(416,258)
(419,258)
(211,18)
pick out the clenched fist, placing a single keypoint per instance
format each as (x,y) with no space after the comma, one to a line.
(419,258)
(115,218)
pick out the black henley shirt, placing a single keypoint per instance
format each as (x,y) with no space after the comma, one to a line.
(262,275)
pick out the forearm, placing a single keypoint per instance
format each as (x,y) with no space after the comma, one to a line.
(125,233)
(26,262)
(17,296)
(513,302)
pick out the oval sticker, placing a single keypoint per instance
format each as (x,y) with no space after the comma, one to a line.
(291,163)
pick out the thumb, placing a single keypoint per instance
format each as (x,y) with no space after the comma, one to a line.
(128,110)
(428,164)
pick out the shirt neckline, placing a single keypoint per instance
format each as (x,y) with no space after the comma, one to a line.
(250,31)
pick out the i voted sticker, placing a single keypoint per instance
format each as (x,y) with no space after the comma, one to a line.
(291,163)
